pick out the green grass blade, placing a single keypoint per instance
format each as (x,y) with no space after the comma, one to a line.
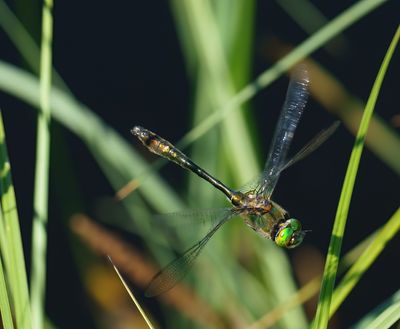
(322,315)
(5,308)
(314,42)
(11,243)
(364,261)
(383,316)
(211,56)
(311,19)
(40,201)
(24,43)
(387,318)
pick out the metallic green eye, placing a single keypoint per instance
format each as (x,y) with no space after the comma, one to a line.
(295,224)
(290,234)
(283,237)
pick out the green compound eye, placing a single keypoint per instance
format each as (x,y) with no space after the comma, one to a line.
(295,224)
(290,234)
(283,237)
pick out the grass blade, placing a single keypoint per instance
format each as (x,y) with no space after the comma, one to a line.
(311,19)
(383,316)
(39,234)
(364,261)
(11,243)
(5,308)
(142,313)
(330,271)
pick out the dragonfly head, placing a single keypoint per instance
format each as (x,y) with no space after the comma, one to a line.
(289,234)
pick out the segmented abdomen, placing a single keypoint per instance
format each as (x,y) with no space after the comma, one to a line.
(160,146)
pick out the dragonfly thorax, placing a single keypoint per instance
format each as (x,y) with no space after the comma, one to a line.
(249,200)
(269,219)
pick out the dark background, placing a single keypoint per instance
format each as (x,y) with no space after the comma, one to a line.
(124,61)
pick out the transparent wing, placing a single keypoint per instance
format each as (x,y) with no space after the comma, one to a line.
(181,227)
(175,271)
(252,184)
(192,217)
(312,145)
(296,99)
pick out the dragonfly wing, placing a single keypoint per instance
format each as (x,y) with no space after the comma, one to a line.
(175,271)
(193,217)
(296,99)
(187,225)
(312,145)
(252,184)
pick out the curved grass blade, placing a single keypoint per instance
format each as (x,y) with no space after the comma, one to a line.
(363,262)
(330,270)
(383,316)
(308,16)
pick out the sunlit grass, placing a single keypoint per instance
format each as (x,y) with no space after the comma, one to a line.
(332,261)
(366,259)
(5,307)
(12,255)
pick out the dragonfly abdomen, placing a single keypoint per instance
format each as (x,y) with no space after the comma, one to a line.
(162,147)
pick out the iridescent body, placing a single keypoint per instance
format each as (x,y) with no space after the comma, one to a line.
(255,206)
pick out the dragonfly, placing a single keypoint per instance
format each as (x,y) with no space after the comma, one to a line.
(252,203)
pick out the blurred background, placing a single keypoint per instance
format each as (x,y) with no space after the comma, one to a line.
(167,66)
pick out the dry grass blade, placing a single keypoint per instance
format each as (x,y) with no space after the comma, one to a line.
(129,291)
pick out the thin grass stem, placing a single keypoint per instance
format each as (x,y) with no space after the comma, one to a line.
(40,206)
